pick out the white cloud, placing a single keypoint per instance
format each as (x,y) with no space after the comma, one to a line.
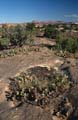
(71,15)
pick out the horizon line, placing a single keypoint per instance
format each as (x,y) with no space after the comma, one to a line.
(39,21)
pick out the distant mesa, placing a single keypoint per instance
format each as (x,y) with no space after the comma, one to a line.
(38,23)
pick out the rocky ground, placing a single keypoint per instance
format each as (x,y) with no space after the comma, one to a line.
(10,66)
(13,66)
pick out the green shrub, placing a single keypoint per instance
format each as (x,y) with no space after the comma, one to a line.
(67,43)
(4,43)
(50,31)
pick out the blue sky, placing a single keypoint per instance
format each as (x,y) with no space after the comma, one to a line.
(42,10)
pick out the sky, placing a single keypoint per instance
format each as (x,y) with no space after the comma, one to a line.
(14,11)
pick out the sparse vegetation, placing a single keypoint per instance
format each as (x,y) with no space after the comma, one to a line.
(16,35)
(48,88)
(20,35)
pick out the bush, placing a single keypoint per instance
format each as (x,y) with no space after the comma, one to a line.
(50,31)
(67,43)
(30,27)
(72,45)
(4,43)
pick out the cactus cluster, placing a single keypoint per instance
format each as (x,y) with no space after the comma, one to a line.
(32,88)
